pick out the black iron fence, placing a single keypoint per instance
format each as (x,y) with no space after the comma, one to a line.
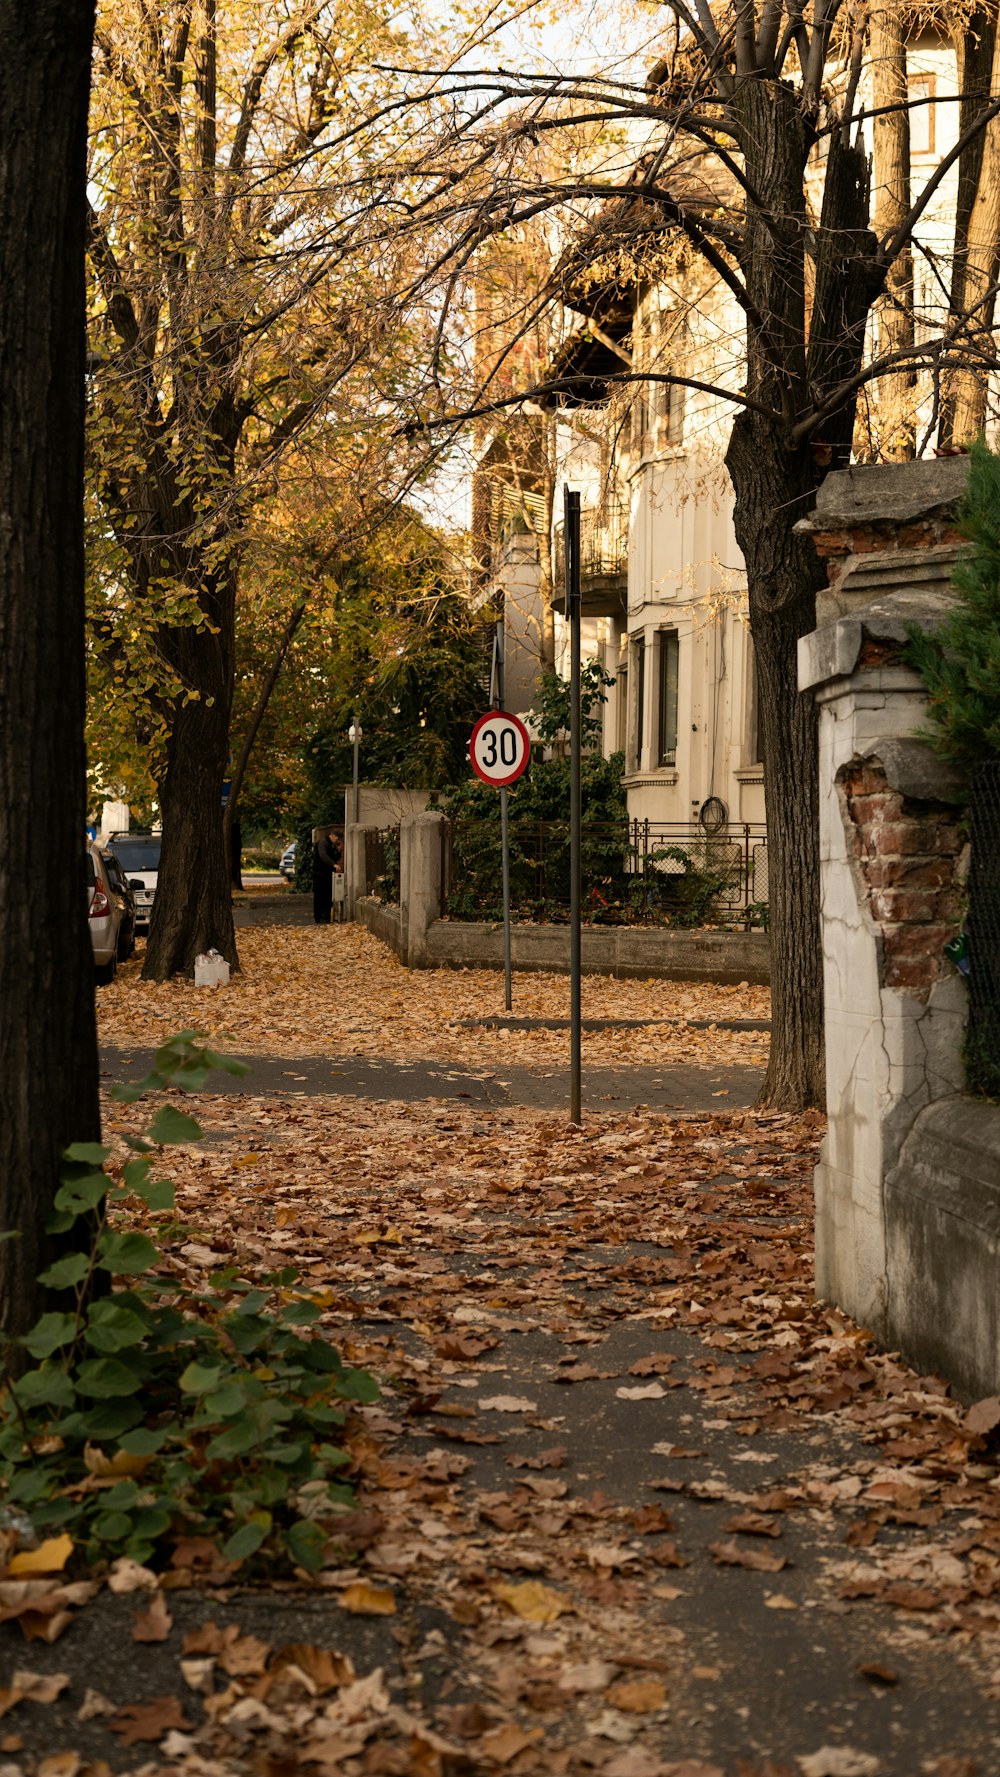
(382,863)
(982,1051)
(634,872)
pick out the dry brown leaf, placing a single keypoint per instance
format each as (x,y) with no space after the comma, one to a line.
(502,1744)
(148,1721)
(153,1624)
(50,1556)
(118,1465)
(325,1669)
(732,1554)
(365,1600)
(531,1601)
(637,1696)
(243,1655)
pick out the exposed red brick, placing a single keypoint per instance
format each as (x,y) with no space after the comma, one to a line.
(898,838)
(831,542)
(904,906)
(877,809)
(917,974)
(919,940)
(916,536)
(911,873)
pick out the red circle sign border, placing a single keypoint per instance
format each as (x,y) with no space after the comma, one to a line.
(500,783)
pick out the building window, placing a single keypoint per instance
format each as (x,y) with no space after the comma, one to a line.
(639,672)
(621,713)
(922,89)
(666,727)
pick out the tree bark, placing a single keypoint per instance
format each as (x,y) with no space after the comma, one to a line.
(774,486)
(193,909)
(975,45)
(48,1045)
(783,576)
(896,395)
(964,405)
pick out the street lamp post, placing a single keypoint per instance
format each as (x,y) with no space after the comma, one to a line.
(354,736)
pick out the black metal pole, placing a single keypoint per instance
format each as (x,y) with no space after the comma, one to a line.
(504,824)
(571,551)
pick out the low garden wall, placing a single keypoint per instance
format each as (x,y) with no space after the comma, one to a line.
(629,952)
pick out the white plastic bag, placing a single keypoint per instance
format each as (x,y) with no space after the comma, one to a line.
(211,970)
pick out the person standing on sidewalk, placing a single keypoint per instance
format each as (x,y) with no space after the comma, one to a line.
(328,861)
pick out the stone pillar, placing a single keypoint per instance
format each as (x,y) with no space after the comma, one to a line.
(421,877)
(895,1007)
(355,868)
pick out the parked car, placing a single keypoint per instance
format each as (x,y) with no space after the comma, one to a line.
(103,917)
(139,857)
(286,863)
(125,897)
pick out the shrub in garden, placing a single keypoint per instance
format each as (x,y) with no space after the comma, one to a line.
(161,1407)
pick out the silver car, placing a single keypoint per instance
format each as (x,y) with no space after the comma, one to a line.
(103,918)
(139,857)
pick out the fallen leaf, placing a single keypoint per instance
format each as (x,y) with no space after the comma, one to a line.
(59,1764)
(502,1744)
(364,1600)
(651,1391)
(531,1601)
(148,1721)
(50,1556)
(244,1655)
(325,1669)
(130,1576)
(732,1554)
(876,1674)
(507,1403)
(839,1761)
(120,1465)
(154,1623)
(33,1687)
(983,1416)
(94,1703)
(779,1601)
(637,1696)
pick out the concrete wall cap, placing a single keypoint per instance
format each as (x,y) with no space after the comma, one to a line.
(887,493)
(914,769)
(831,652)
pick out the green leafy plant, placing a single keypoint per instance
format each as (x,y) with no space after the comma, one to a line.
(160,1409)
(960,662)
(551,716)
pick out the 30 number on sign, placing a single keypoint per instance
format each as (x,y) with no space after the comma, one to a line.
(500,748)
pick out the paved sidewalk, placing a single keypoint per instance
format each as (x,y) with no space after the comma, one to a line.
(677,1088)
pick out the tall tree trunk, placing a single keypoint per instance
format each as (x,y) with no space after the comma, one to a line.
(193,909)
(774,486)
(896,393)
(975,45)
(966,388)
(48,1045)
(783,576)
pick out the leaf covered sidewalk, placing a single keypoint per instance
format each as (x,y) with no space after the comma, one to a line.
(630,1502)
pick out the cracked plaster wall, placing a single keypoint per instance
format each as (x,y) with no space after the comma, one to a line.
(894,1008)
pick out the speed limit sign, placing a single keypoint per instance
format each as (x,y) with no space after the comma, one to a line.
(500,748)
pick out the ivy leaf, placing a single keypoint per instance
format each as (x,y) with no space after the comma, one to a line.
(80,1194)
(170,1126)
(47,1387)
(306,1544)
(50,1334)
(113,1328)
(126,1254)
(106,1378)
(248,1538)
(200,1378)
(357,1385)
(65,1272)
(86,1153)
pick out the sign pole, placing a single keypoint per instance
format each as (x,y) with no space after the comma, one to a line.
(571,553)
(504,827)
